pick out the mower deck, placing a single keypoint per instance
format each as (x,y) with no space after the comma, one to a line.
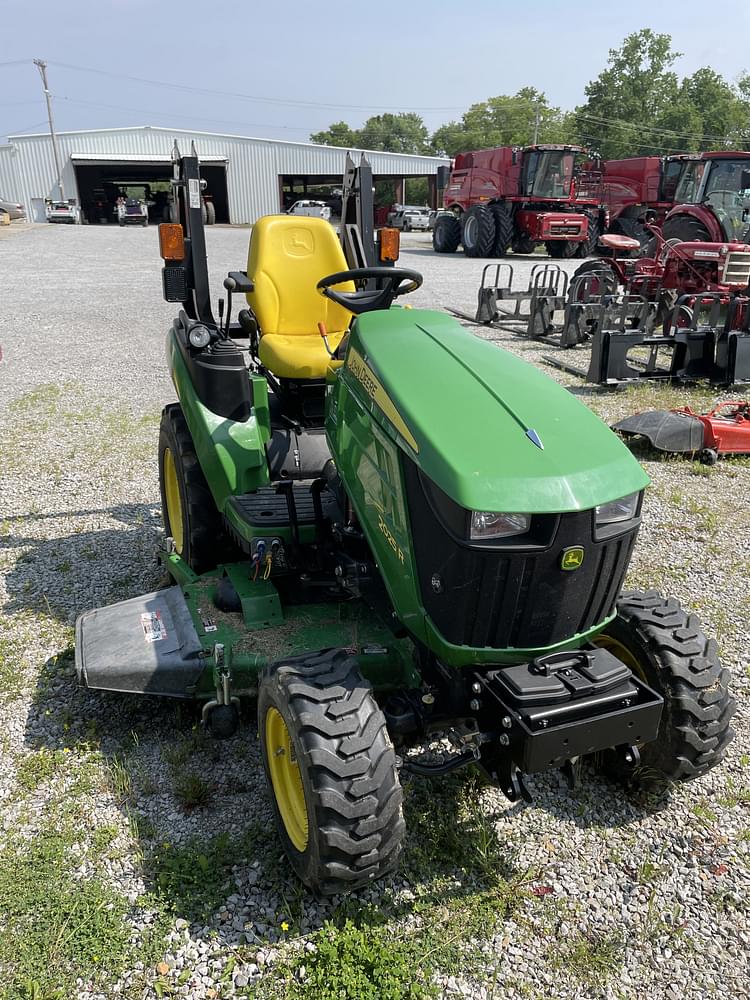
(165,642)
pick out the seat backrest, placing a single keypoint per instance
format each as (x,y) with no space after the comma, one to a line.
(288,256)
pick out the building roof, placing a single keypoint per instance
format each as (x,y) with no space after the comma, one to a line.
(224,135)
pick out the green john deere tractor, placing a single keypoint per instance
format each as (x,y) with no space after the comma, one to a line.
(385,529)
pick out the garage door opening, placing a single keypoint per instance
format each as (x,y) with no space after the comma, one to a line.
(101,183)
(389,190)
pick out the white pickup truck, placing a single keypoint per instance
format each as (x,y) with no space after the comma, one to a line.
(62,211)
(408,219)
(315,209)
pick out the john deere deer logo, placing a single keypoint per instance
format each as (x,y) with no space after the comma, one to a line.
(572,558)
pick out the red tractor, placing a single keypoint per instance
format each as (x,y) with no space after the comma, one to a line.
(712,199)
(640,189)
(675,270)
(514,198)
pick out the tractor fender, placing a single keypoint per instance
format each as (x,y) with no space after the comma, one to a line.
(231,453)
(702,215)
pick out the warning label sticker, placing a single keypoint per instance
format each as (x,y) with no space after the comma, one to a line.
(209,624)
(154,629)
(194,193)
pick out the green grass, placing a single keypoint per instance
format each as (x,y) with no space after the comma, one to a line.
(191,880)
(593,959)
(34,768)
(365,958)
(192,791)
(56,927)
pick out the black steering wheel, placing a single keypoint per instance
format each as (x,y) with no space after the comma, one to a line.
(390,283)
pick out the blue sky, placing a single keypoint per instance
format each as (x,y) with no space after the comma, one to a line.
(325,62)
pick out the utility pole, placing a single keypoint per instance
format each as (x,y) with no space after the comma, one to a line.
(537,115)
(42,66)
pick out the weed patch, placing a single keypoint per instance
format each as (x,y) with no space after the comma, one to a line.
(591,958)
(56,928)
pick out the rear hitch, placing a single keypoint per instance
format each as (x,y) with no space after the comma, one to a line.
(221,715)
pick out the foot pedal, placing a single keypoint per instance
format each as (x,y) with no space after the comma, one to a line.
(146,645)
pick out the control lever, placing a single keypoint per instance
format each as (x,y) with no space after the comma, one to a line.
(324,334)
(235,281)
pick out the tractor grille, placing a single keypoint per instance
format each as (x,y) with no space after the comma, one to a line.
(565,229)
(737,268)
(515,596)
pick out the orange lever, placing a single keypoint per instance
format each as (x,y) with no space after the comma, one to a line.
(324,334)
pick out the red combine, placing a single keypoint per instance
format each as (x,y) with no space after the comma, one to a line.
(640,189)
(712,199)
(514,198)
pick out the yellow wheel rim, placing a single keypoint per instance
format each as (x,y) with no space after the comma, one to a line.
(618,649)
(174,501)
(286,779)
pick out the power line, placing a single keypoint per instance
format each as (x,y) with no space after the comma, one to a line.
(149,111)
(621,123)
(20,131)
(239,96)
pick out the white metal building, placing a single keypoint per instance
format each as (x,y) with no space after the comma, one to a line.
(246,175)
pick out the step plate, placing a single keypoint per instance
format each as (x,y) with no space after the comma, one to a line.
(266,509)
(146,645)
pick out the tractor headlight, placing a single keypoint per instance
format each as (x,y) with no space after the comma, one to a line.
(623,509)
(487,524)
(199,336)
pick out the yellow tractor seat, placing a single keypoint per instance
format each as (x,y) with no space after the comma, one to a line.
(288,256)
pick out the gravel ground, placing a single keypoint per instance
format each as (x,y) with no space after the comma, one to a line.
(616,898)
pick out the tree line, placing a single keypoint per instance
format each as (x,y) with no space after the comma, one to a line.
(637,106)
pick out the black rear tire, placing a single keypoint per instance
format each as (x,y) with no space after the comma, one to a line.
(606,285)
(347,766)
(478,231)
(446,235)
(670,652)
(210,213)
(200,537)
(685,228)
(503,229)
(561,249)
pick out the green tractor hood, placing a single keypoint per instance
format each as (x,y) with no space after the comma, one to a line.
(490,430)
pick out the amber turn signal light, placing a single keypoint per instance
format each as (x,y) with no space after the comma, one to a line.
(171,241)
(389,244)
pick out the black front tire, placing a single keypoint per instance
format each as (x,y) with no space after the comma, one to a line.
(503,229)
(561,249)
(667,648)
(446,235)
(200,537)
(523,245)
(347,766)
(210,213)
(588,246)
(685,228)
(478,231)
